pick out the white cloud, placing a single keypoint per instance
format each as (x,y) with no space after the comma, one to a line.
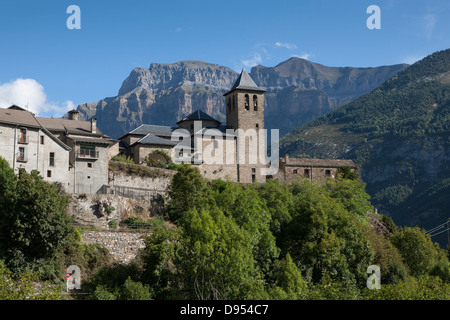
(253,61)
(305,56)
(30,94)
(286,45)
(429,22)
(411,59)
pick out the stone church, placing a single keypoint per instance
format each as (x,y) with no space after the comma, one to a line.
(235,150)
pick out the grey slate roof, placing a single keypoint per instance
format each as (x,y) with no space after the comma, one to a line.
(151,139)
(221,128)
(245,82)
(329,163)
(145,129)
(198,115)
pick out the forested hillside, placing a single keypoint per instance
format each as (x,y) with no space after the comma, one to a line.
(399,136)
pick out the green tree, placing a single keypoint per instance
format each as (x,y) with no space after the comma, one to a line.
(135,290)
(7,176)
(187,190)
(249,211)
(279,200)
(159,262)
(424,287)
(351,194)
(290,284)
(34,226)
(216,261)
(324,238)
(417,250)
(347,173)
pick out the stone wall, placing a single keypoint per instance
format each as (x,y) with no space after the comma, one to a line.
(160,182)
(123,246)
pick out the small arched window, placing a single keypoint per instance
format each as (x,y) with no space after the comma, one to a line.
(255,103)
(234,103)
(247,102)
(229,104)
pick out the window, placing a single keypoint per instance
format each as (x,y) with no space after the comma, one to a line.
(23,136)
(257,125)
(49,173)
(328,173)
(229,103)
(52,159)
(88,151)
(42,139)
(295,171)
(247,102)
(255,102)
(21,155)
(253,170)
(89,165)
(306,173)
(192,126)
(234,103)
(253,178)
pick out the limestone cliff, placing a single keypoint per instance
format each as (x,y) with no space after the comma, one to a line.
(297,91)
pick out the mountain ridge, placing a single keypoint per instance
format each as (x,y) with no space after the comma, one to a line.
(164,93)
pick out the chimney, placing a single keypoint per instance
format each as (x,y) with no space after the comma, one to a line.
(73,115)
(94,125)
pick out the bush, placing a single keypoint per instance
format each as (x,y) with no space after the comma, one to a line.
(24,286)
(34,226)
(122,158)
(109,209)
(112,224)
(136,170)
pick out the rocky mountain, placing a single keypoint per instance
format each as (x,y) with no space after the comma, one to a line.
(399,135)
(298,91)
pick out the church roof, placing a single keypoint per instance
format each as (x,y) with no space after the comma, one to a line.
(151,139)
(245,82)
(157,130)
(198,115)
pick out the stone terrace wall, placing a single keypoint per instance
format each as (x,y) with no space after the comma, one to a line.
(160,181)
(123,246)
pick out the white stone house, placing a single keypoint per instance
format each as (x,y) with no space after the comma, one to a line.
(71,152)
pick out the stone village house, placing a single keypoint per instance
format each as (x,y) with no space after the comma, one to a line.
(72,152)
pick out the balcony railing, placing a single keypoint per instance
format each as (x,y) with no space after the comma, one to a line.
(23,139)
(87,154)
(22,158)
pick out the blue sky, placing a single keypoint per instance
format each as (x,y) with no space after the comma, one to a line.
(50,68)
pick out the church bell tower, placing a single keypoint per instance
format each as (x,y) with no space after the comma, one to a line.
(245,115)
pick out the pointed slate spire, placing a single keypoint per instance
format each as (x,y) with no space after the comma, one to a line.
(245,82)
